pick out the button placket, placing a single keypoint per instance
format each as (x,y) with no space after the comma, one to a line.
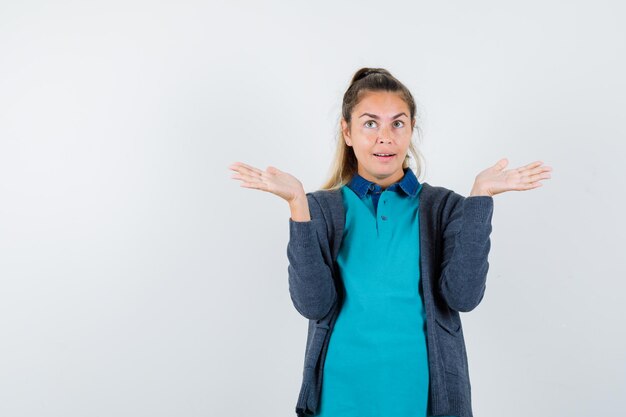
(383,210)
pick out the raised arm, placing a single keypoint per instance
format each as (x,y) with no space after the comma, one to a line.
(466,245)
(311,284)
(467,228)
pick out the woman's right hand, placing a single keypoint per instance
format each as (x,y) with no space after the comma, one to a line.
(273,180)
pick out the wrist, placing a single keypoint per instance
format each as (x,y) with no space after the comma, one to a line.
(478,190)
(298,200)
(299,208)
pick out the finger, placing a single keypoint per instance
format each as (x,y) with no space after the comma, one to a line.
(255,185)
(540,176)
(239,177)
(251,168)
(539,170)
(528,183)
(236,166)
(247,167)
(250,176)
(532,165)
(501,164)
(250,179)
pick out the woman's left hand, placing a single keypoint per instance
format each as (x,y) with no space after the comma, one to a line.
(495,179)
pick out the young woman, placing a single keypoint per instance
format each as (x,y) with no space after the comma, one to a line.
(382,264)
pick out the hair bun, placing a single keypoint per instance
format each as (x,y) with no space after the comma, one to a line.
(364,72)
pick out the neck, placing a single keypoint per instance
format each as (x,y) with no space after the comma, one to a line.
(384,181)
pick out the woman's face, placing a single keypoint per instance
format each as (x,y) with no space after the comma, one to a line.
(381,124)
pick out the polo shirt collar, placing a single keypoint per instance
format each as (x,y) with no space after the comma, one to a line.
(408,184)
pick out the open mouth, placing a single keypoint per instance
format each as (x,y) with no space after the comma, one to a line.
(384,156)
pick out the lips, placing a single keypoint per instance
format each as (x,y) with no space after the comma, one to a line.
(384,157)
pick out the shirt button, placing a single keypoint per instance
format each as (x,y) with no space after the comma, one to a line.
(383,217)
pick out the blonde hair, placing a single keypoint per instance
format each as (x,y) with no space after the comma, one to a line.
(344,164)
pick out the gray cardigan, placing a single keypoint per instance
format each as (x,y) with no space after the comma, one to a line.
(454,246)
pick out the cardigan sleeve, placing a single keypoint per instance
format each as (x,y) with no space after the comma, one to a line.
(311,284)
(466,247)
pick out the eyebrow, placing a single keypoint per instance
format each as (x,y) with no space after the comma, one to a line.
(373,116)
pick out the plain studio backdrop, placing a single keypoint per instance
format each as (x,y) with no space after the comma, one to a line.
(138,279)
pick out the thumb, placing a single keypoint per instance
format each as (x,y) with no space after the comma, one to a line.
(501,164)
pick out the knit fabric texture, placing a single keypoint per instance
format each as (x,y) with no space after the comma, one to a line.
(454,245)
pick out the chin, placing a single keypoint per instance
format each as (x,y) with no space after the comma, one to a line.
(385,171)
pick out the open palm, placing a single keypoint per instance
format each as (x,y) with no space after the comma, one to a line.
(496,179)
(271,180)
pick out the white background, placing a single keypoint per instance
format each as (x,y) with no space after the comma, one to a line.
(138,279)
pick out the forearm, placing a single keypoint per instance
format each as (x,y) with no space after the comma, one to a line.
(311,284)
(300,209)
(464,275)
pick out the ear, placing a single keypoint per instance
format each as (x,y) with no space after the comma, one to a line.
(346,132)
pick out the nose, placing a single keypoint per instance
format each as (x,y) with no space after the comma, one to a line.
(385,136)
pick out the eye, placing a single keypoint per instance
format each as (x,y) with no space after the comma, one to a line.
(400,121)
(372,121)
